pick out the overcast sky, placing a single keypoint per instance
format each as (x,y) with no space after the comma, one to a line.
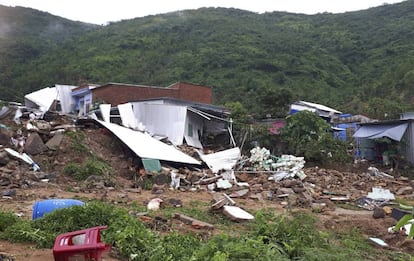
(104,11)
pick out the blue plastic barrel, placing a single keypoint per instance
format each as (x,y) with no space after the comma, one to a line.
(45,206)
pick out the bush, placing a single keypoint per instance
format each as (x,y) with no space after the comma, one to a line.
(309,136)
(224,247)
(7,219)
(23,231)
(292,234)
(90,167)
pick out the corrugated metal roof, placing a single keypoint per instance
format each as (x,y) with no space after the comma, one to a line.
(319,106)
(146,146)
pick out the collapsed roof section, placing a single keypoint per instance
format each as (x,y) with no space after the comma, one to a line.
(144,146)
(174,119)
(44,98)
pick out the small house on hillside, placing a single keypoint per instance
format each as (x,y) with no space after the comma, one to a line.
(323,111)
(380,139)
(119,93)
(346,125)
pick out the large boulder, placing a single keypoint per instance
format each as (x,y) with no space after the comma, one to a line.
(34,144)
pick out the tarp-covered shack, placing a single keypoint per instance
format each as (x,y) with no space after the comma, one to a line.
(400,132)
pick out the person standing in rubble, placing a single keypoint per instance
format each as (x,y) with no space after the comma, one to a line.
(18,141)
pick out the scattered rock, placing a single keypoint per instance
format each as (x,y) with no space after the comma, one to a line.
(405,190)
(55,141)
(34,144)
(378,213)
(4,139)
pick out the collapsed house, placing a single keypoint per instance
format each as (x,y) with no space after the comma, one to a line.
(181,113)
(87,96)
(200,126)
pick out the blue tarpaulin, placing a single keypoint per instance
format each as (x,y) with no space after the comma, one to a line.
(392,131)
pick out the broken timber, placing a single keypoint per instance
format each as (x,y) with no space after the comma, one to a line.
(193,222)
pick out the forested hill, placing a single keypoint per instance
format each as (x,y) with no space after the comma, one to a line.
(359,62)
(25,35)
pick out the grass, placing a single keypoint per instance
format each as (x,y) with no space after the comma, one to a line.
(268,237)
(91,166)
(77,139)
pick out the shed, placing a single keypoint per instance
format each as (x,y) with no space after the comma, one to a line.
(400,131)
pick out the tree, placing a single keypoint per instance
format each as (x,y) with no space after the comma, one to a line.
(272,102)
(380,108)
(241,120)
(309,136)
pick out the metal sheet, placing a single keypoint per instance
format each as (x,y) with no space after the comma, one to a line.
(42,98)
(145,146)
(65,97)
(223,160)
(127,116)
(105,112)
(193,130)
(162,120)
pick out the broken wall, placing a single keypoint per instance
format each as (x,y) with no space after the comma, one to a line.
(162,120)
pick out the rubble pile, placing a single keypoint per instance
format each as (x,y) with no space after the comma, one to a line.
(261,176)
(285,181)
(22,138)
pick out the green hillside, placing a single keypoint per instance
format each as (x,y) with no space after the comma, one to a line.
(27,34)
(359,62)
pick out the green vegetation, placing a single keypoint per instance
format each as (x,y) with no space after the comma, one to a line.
(91,164)
(268,237)
(351,61)
(310,136)
(90,167)
(77,141)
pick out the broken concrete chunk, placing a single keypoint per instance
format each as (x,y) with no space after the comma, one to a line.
(378,213)
(42,126)
(236,213)
(405,190)
(285,191)
(55,141)
(239,193)
(4,139)
(193,222)
(223,184)
(34,144)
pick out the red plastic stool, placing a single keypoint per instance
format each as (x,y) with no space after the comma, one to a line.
(66,245)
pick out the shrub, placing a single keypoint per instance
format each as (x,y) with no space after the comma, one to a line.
(92,166)
(7,219)
(308,135)
(77,141)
